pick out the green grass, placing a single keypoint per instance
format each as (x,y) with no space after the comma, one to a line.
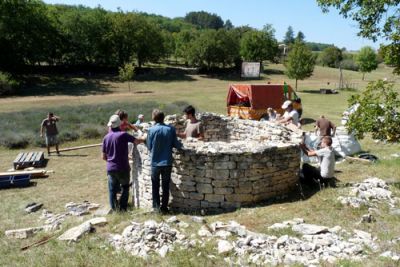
(80,175)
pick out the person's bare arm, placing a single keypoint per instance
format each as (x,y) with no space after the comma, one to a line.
(41,130)
(307,151)
(181,135)
(133,127)
(104,156)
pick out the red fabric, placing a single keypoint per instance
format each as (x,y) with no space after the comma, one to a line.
(260,96)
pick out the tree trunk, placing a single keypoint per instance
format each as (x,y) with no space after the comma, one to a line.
(129,85)
(363,76)
(296,85)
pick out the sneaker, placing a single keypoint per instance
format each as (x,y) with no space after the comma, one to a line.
(156,211)
(164,210)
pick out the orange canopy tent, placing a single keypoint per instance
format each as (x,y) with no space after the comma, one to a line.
(260,96)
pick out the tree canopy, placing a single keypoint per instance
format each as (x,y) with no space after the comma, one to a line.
(300,62)
(379,18)
(366,60)
(204,20)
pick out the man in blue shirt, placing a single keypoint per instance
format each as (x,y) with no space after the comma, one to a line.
(161,139)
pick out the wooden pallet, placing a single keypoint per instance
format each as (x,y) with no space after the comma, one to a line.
(29,159)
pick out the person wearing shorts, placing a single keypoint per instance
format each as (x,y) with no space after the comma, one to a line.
(49,130)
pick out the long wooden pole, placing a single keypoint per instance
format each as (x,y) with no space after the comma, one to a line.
(35,173)
(75,148)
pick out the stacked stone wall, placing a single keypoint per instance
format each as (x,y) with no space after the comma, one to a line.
(239,163)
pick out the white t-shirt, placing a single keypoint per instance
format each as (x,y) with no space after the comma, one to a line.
(292,114)
(326,158)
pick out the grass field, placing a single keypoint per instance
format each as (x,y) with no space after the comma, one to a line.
(80,175)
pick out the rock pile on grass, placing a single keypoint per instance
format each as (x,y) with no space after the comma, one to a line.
(368,193)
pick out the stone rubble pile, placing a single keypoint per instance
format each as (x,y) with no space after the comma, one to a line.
(317,244)
(143,239)
(368,193)
(312,245)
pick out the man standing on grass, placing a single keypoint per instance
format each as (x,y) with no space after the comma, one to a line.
(325,127)
(115,152)
(194,128)
(161,139)
(50,125)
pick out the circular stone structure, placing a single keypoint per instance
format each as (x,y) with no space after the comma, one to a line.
(240,162)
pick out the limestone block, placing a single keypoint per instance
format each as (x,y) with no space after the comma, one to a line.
(214,198)
(239,198)
(204,188)
(224,183)
(223,190)
(196,196)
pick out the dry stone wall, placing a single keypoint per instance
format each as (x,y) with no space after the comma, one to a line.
(240,162)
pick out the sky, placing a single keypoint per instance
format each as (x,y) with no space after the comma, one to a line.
(302,15)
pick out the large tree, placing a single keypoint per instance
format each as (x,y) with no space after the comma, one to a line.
(300,62)
(289,36)
(331,57)
(204,20)
(367,60)
(258,46)
(379,18)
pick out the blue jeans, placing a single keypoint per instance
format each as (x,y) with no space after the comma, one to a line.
(165,173)
(116,181)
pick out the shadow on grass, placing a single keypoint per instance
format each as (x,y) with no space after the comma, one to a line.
(63,85)
(273,72)
(163,74)
(305,121)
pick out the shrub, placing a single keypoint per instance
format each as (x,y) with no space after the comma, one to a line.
(7,84)
(92,131)
(349,64)
(377,112)
(66,136)
(13,140)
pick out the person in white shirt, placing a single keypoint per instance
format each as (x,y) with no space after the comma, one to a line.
(326,157)
(291,116)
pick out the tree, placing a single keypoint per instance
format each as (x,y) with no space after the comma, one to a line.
(214,48)
(258,46)
(289,36)
(300,37)
(126,73)
(377,112)
(228,25)
(366,60)
(300,62)
(183,41)
(379,18)
(204,20)
(331,57)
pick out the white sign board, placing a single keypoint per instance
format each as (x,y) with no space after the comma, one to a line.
(250,69)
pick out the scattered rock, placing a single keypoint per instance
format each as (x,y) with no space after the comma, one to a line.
(204,232)
(33,207)
(367,192)
(23,233)
(224,247)
(391,255)
(103,211)
(75,233)
(198,219)
(79,209)
(142,239)
(98,221)
(309,229)
(172,219)
(395,212)
(367,218)
(183,225)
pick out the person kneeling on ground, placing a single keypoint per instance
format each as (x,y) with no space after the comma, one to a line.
(194,127)
(161,139)
(291,116)
(115,152)
(326,157)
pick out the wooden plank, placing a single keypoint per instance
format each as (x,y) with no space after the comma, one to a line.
(16,160)
(76,148)
(22,158)
(35,173)
(28,158)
